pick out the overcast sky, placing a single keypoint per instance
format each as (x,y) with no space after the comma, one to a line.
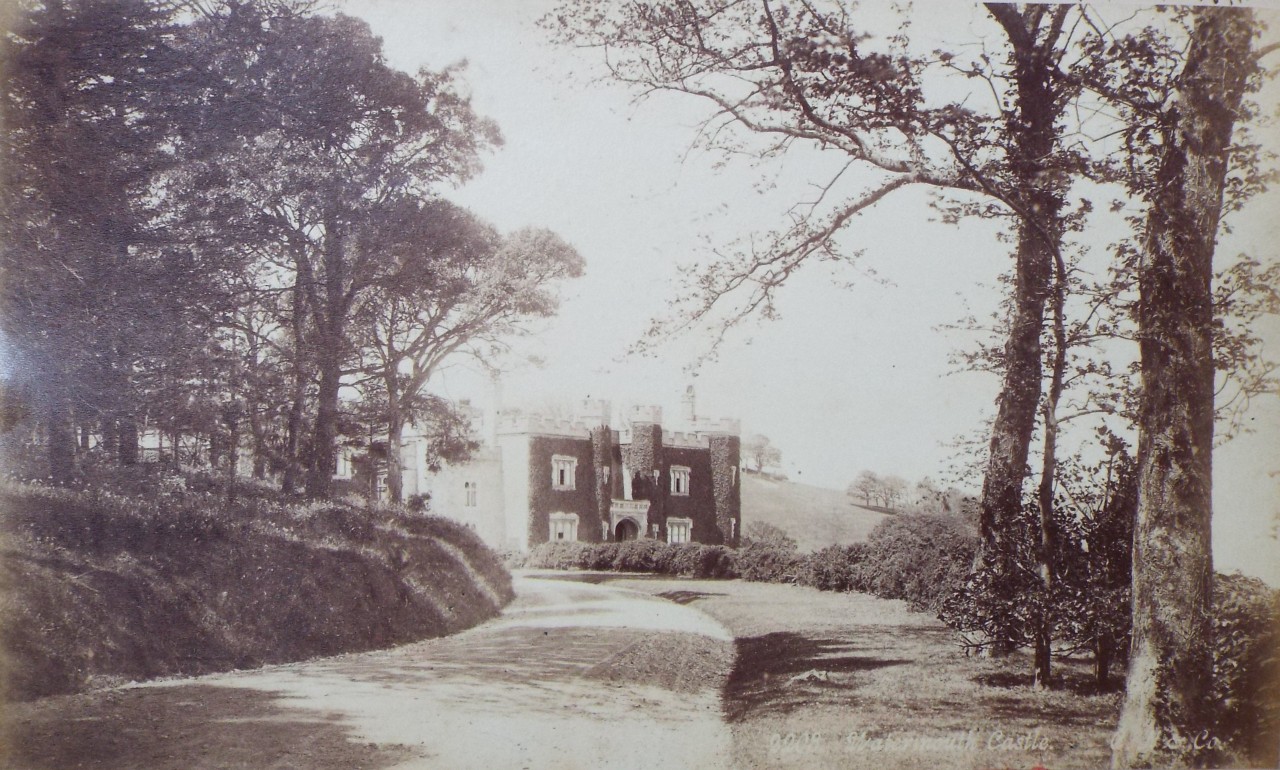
(855,374)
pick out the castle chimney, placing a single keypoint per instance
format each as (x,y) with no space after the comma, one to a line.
(690,408)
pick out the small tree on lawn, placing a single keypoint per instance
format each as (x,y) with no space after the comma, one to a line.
(866,486)
(761,452)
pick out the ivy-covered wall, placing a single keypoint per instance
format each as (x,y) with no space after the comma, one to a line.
(726,456)
(544,500)
(643,456)
(713,502)
(700,503)
(602,470)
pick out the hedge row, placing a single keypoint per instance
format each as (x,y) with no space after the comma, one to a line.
(688,559)
(913,557)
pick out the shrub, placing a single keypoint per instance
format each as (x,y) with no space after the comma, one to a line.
(601,556)
(834,568)
(558,555)
(918,557)
(762,533)
(638,555)
(704,561)
(1246,667)
(768,563)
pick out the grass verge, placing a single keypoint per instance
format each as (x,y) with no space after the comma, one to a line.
(853,681)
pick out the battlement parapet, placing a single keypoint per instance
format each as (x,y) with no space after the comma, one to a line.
(723,426)
(684,440)
(594,411)
(533,422)
(647,414)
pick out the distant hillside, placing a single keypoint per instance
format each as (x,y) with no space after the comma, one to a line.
(816,517)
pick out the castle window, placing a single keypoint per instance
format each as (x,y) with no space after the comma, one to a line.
(679,530)
(563,470)
(564,526)
(679,480)
(470,488)
(343,470)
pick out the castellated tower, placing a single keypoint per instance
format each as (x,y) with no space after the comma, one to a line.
(595,414)
(726,456)
(645,462)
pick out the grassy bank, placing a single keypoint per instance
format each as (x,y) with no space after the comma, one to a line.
(847,680)
(103,586)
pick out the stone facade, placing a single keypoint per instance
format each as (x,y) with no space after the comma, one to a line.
(540,479)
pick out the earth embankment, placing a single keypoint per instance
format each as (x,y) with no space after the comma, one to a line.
(103,587)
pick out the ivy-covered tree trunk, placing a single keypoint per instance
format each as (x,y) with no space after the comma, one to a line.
(323,459)
(395,432)
(331,342)
(1034,128)
(1170,663)
(1047,547)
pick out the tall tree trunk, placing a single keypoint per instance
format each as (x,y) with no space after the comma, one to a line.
(293,437)
(1102,645)
(259,435)
(1039,200)
(331,323)
(395,430)
(128,438)
(297,406)
(395,467)
(1046,550)
(323,455)
(1170,663)
(61,444)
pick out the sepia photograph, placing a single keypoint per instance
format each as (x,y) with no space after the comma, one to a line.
(726,384)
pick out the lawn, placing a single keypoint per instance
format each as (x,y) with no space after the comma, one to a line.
(852,681)
(815,516)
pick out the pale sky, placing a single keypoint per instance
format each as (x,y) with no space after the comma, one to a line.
(849,378)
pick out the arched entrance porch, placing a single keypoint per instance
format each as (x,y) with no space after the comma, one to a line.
(627,529)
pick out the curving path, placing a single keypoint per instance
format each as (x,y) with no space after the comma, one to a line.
(572,675)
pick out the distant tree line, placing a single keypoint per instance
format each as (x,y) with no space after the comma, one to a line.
(226,220)
(895,492)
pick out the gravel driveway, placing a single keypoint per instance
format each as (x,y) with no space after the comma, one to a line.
(572,675)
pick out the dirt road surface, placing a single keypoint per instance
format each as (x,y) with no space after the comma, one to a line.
(572,675)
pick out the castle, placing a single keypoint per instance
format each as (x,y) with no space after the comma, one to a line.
(540,479)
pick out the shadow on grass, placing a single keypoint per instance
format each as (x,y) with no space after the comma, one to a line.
(686,597)
(184,726)
(1072,677)
(780,672)
(597,577)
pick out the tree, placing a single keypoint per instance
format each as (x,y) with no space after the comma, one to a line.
(1170,667)
(337,142)
(454,287)
(761,452)
(801,73)
(93,294)
(1085,607)
(895,491)
(764,535)
(866,486)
